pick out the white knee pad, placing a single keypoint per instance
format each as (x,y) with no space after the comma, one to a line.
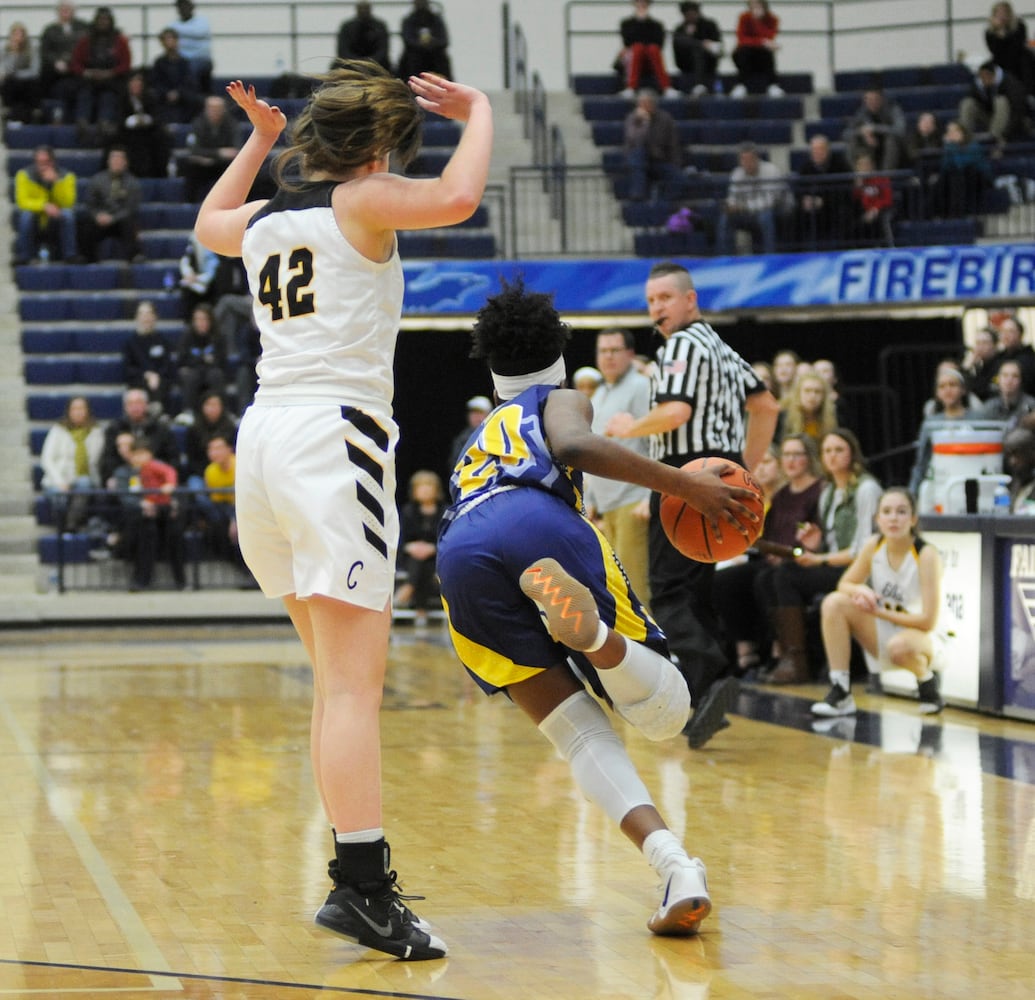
(648,692)
(583,736)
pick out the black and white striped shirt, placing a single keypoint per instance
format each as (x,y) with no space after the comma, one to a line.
(698,367)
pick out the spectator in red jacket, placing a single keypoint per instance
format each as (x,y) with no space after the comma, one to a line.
(755,54)
(643,38)
(874,198)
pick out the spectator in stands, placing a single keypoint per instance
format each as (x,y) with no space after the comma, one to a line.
(997,105)
(418,543)
(147,358)
(210,418)
(641,58)
(824,197)
(877,128)
(981,364)
(621,510)
(951,403)
(109,216)
(697,47)
(425,43)
(741,591)
(57,43)
(478,408)
(808,409)
(235,325)
(201,357)
(101,62)
(137,420)
(755,54)
(70,460)
(217,504)
(1013,348)
(845,511)
(153,520)
(653,153)
(1007,39)
(195,42)
(586,380)
(924,142)
(827,370)
(198,269)
(364,37)
(764,371)
(964,175)
(174,82)
(785,372)
(214,140)
(20,76)
(1019,462)
(1010,402)
(140,131)
(44,197)
(758,194)
(873,198)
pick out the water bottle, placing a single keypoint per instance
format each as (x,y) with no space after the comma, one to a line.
(44,255)
(169,281)
(1001,499)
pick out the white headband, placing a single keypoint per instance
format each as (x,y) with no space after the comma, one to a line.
(508,386)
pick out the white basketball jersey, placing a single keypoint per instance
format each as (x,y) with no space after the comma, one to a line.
(328,317)
(897,589)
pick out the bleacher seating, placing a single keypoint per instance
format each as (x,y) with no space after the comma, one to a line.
(711,127)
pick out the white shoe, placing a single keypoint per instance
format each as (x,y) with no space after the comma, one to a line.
(775,90)
(664,714)
(699,91)
(629,94)
(672,92)
(739,91)
(684,899)
(837,702)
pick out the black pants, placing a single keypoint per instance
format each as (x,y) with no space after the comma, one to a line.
(681,602)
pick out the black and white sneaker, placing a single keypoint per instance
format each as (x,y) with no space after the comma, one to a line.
(378,918)
(930,696)
(837,702)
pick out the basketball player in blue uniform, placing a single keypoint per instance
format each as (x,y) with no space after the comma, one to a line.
(529,583)
(315,489)
(888,599)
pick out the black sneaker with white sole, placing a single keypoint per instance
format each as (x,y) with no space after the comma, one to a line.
(930,696)
(376,917)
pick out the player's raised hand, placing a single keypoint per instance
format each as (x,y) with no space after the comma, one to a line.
(265,119)
(445,97)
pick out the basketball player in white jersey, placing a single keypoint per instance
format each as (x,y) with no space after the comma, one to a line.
(315,462)
(888,599)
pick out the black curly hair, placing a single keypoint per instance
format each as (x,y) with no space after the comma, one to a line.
(518,331)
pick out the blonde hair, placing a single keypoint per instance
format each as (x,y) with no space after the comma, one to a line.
(358,114)
(424,477)
(796,421)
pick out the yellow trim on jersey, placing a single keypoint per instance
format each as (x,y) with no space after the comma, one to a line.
(628,621)
(492,667)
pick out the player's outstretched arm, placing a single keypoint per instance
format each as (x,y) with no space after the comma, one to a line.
(567,419)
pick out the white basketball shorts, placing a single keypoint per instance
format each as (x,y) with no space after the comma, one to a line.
(316,510)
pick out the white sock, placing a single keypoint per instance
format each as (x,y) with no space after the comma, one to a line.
(661,848)
(360,836)
(637,677)
(843,678)
(583,736)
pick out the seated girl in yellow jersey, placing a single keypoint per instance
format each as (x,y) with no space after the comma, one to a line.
(528,582)
(888,599)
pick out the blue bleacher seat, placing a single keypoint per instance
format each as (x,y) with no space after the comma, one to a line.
(51,371)
(74,548)
(95,277)
(161,189)
(839,105)
(36,438)
(19,136)
(936,232)
(43,308)
(37,278)
(447,244)
(606,109)
(46,341)
(670,244)
(584,84)
(42,509)
(98,307)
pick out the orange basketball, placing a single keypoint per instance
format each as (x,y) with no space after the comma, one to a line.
(688,529)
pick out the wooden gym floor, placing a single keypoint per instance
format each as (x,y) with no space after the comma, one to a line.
(160,837)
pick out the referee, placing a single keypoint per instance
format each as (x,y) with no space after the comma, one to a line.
(707,401)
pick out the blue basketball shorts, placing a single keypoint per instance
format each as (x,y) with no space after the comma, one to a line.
(496,630)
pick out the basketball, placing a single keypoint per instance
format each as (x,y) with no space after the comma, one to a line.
(688,529)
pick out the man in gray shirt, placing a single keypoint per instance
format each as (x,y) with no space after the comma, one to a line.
(621,510)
